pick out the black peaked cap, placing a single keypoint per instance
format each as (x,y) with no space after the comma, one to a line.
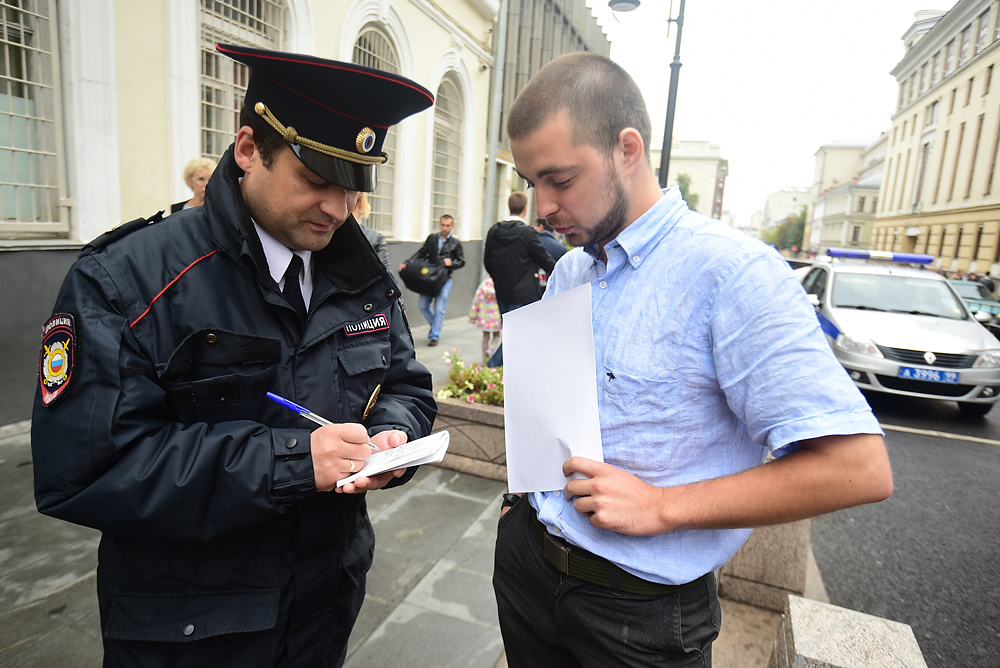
(333,115)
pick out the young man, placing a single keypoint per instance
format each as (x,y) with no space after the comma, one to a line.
(708,357)
(513,255)
(443,247)
(223,540)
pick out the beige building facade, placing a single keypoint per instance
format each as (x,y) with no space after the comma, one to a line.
(105,101)
(703,162)
(940,191)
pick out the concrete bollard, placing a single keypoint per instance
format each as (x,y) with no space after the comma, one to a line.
(820,635)
(770,566)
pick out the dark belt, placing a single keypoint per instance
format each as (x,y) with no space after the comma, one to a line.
(587,566)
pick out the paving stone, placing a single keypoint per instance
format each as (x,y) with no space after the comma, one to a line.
(458,593)
(424,525)
(412,636)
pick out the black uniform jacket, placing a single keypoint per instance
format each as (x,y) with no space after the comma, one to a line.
(513,254)
(217,548)
(451,248)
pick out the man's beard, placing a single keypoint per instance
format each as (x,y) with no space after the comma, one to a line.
(613,221)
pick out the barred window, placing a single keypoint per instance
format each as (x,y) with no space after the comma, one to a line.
(374,49)
(31,174)
(256,23)
(447,150)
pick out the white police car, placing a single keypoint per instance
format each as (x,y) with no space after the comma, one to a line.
(904,330)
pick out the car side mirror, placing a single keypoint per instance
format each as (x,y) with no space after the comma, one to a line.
(813,299)
(983,316)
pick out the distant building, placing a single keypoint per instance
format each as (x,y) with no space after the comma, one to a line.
(703,162)
(847,213)
(940,177)
(837,164)
(783,203)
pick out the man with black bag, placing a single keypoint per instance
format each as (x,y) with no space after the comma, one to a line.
(422,273)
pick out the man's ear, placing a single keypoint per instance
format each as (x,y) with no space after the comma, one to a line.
(245,151)
(631,145)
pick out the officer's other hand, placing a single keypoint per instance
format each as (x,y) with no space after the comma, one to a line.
(384,440)
(338,450)
(447,261)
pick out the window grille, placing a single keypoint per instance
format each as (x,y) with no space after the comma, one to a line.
(31,174)
(447,150)
(256,23)
(373,49)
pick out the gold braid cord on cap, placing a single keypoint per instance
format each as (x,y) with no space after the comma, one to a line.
(292,137)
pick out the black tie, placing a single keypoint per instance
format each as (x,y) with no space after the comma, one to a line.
(292,291)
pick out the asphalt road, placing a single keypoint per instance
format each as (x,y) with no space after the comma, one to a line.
(930,555)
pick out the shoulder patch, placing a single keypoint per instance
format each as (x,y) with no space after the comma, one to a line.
(376,323)
(57,359)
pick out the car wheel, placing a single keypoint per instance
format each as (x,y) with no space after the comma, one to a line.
(974,410)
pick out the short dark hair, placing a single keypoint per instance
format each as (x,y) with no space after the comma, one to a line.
(265,138)
(449,217)
(544,224)
(517,202)
(600,96)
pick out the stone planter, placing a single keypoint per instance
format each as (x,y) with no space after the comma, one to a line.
(477,438)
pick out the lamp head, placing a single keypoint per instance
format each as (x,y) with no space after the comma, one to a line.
(623,5)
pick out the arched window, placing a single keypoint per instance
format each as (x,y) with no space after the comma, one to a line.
(31,172)
(447,150)
(374,49)
(259,24)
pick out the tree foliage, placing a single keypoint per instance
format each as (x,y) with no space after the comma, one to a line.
(788,232)
(684,183)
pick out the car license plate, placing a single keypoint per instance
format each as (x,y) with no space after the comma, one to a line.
(930,375)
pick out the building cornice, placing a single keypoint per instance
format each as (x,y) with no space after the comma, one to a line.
(461,36)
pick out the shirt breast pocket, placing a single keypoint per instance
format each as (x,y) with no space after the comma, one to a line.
(216,376)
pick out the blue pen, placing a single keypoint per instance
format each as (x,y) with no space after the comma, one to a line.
(306,413)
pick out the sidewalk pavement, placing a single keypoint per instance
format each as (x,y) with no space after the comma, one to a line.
(430,598)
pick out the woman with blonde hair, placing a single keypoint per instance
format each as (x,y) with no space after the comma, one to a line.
(196,175)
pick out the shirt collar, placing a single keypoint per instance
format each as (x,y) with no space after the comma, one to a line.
(278,255)
(513,217)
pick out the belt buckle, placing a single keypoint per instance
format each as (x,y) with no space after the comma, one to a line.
(556,552)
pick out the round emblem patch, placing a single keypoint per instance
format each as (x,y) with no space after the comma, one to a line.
(365,141)
(57,358)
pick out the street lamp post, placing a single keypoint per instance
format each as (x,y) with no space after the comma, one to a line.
(675,66)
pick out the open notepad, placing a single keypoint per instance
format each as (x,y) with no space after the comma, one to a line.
(421,451)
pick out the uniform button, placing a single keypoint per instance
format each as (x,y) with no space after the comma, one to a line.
(368,308)
(291,442)
(222,400)
(188,630)
(603,284)
(390,294)
(636,258)
(211,338)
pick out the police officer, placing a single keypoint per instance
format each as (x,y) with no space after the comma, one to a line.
(223,541)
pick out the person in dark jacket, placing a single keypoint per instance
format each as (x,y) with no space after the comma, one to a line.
(548,238)
(513,255)
(223,540)
(440,247)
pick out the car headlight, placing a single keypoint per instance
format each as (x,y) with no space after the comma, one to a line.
(988,359)
(858,346)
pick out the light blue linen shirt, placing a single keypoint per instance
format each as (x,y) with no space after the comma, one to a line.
(708,356)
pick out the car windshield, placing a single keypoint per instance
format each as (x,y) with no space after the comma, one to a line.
(896,294)
(971,290)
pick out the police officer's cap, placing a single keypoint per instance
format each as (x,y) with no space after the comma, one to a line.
(333,115)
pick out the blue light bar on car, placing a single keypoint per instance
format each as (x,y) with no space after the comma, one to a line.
(856,254)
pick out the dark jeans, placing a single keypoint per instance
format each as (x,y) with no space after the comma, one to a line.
(554,620)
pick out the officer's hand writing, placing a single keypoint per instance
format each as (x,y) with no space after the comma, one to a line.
(384,440)
(337,451)
(614,499)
